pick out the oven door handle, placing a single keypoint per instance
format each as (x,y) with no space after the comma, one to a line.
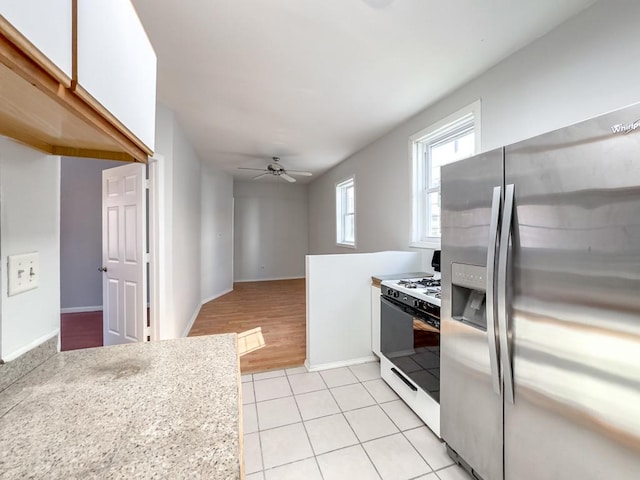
(404,379)
(492,331)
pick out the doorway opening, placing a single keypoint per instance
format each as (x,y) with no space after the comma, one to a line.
(81,252)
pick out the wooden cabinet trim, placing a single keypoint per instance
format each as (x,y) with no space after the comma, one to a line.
(15,37)
(94,134)
(97,106)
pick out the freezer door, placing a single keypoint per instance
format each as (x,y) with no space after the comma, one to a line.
(470,408)
(575,306)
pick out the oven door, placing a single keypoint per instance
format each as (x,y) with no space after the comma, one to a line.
(412,345)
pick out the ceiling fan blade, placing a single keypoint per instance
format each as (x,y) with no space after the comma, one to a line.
(287,177)
(298,172)
(256,169)
(260,176)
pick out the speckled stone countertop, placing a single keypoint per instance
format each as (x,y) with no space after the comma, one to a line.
(168,409)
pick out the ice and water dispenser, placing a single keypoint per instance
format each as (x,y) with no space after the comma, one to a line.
(469,295)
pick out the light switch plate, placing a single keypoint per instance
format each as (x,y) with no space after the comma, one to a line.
(24,272)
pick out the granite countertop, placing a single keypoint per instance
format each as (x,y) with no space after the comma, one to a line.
(168,409)
(377,279)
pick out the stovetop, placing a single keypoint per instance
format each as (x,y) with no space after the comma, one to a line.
(418,283)
(424,289)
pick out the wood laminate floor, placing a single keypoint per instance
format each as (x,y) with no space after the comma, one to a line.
(277,306)
(80,330)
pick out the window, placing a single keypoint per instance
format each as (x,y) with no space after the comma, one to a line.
(346,212)
(454,138)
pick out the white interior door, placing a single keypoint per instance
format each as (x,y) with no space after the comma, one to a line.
(124,268)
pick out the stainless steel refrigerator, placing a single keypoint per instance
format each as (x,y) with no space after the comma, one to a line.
(540,318)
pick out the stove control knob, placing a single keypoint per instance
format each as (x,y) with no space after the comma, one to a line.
(416,303)
(396,294)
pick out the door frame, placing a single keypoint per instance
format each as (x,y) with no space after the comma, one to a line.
(157,245)
(155,248)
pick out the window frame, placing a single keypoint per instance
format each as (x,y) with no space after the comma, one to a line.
(341,190)
(443,130)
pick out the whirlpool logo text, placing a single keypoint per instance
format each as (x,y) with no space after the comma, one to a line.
(625,128)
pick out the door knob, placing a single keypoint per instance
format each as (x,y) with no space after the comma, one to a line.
(102,269)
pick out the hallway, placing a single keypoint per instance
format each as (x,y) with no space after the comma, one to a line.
(277,306)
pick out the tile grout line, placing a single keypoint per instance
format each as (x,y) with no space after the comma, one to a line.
(417,451)
(402,432)
(315,456)
(361,444)
(264,467)
(258,425)
(293,395)
(342,413)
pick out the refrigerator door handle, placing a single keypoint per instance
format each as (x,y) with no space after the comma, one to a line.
(492,333)
(503,258)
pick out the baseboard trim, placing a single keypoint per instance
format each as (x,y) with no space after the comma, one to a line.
(36,343)
(96,308)
(267,279)
(21,366)
(186,331)
(218,295)
(344,363)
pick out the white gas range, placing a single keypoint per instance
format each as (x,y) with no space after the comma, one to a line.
(425,289)
(410,344)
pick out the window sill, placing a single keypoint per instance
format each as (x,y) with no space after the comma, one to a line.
(433,245)
(346,245)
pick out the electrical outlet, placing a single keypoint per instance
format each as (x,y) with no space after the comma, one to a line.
(23,272)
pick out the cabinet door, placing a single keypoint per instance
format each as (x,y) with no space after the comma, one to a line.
(46,25)
(117,64)
(375,320)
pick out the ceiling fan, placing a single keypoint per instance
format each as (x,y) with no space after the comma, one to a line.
(277,170)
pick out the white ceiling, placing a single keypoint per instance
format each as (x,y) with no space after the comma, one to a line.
(313,81)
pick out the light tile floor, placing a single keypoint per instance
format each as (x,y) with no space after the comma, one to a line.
(344,423)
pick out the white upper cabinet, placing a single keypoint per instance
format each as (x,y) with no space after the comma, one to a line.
(46,25)
(116,64)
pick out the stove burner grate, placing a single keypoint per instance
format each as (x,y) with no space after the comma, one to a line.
(423,283)
(408,284)
(429,282)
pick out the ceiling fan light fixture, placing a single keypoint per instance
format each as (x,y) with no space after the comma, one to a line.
(277,170)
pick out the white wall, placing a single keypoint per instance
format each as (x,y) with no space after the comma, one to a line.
(217,233)
(585,67)
(339,304)
(186,231)
(271,236)
(198,208)
(81,232)
(181,180)
(29,221)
